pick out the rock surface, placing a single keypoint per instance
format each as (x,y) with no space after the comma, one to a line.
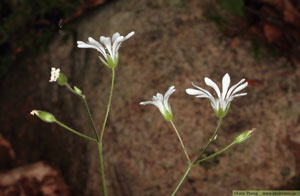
(174,44)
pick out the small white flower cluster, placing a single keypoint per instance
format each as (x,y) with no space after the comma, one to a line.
(54,74)
(219,104)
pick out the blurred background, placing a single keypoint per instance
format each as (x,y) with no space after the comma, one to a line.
(176,42)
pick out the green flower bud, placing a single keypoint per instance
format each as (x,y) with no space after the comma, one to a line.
(77,90)
(44,116)
(243,136)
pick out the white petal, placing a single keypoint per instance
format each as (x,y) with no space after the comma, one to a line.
(98,45)
(225,85)
(210,83)
(146,102)
(81,44)
(202,96)
(116,46)
(191,91)
(129,35)
(159,105)
(107,44)
(241,87)
(169,92)
(102,39)
(239,95)
(203,90)
(233,87)
(158,97)
(115,36)
(215,104)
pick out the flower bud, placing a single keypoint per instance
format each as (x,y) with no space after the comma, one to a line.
(77,90)
(243,136)
(44,116)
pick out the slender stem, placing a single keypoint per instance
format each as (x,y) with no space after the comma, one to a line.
(102,132)
(182,179)
(199,157)
(70,89)
(184,149)
(75,132)
(108,105)
(102,167)
(86,107)
(90,117)
(210,140)
(215,154)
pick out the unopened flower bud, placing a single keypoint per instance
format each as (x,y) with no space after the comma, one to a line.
(77,90)
(243,136)
(44,116)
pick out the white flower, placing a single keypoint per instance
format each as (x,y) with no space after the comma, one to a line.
(54,74)
(161,102)
(34,112)
(108,47)
(220,104)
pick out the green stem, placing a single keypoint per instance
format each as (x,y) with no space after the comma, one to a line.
(71,89)
(102,167)
(90,117)
(102,132)
(202,152)
(108,105)
(182,179)
(184,149)
(210,140)
(215,154)
(86,107)
(75,132)
(200,161)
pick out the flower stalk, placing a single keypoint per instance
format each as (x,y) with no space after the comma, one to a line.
(109,102)
(210,140)
(180,140)
(75,132)
(102,133)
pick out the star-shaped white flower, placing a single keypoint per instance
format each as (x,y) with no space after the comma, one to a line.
(220,104)
(107,46)
(161,102)
(54,74)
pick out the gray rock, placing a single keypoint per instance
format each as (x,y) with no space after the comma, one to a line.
(174,44)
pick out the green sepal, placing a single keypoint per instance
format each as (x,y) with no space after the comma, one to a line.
(167,115)
(62,79)
(45,116)
(221,113)
(111,62)
(103,61)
